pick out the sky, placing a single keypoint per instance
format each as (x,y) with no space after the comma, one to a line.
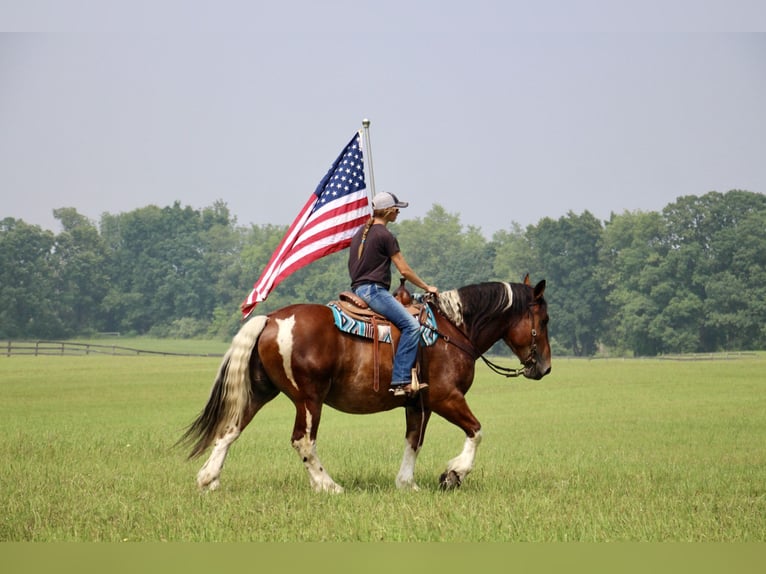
(501,112)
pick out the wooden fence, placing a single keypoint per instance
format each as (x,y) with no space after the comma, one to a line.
(66,348)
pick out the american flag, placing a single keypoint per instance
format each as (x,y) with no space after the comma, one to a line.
(331,216)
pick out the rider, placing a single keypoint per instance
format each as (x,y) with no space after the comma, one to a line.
(372,250)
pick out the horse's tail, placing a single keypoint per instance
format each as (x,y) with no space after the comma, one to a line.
(231,392)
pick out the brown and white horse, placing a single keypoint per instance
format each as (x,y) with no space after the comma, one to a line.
(298,351)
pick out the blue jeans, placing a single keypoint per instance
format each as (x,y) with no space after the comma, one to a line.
(381,301)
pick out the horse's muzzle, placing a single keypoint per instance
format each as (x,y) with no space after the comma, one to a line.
(534,372)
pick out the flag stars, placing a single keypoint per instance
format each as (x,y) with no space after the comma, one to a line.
(346,176)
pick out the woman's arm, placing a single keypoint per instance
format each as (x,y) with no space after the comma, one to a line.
(409,274)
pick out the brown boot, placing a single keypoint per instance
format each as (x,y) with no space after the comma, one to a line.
(411,389)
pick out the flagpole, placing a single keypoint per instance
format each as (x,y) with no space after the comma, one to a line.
(368,154)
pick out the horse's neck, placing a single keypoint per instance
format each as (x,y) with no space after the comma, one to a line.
(481,326)
(481,338)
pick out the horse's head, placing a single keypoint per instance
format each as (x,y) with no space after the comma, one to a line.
(528,336)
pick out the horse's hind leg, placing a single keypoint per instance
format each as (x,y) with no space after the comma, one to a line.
(417,420)
(208,477)
(304,442)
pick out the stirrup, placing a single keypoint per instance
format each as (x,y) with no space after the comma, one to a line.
(407,390)
(410,389)
(401,390)
(416,386)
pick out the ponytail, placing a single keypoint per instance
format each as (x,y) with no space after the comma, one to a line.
(364,237)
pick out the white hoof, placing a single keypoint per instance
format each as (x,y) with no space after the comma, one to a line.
(407,485)
(331,487)
(206,481)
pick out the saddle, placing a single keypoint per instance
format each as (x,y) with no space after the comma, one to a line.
(373,325)
(357,308)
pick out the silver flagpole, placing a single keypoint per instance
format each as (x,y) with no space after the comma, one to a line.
(368,156)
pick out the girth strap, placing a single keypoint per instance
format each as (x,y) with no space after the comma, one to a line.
(375,354)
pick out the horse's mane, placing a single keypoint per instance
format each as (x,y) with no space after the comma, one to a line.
(475,305)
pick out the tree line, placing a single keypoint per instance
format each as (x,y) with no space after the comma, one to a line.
(691,278)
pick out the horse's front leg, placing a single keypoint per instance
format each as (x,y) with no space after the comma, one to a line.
(417,420)
(459,467)
(457,412)
(304,443)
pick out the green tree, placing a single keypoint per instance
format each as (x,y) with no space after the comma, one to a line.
(511,255)
(704,234)
(691,278)
(81,279)
(166,265)
(223,259)
(441,252)
(566,253)
(633,247)
(735,284)
(28,305)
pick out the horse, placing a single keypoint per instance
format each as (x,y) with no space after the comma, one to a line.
(297,350)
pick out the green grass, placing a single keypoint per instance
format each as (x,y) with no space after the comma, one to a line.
(602,450)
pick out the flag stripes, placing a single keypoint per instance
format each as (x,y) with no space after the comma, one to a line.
(324,225)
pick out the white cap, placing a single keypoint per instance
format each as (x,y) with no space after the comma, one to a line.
(384,200)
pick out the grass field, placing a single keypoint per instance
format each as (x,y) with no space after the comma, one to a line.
(601,450)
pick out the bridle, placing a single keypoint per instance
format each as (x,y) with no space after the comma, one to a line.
(531,359)
(468,347)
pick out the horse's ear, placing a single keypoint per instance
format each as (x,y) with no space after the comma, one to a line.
(526,279)
(539,290)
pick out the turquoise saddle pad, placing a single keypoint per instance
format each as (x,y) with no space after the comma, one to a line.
(348,324)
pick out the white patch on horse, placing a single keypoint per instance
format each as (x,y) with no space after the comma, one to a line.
(209,475)
(452,306)
(509,289)
(406,477)
(462,464)
(320,480)
(285,343)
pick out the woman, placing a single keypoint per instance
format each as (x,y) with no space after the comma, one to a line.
(373,249)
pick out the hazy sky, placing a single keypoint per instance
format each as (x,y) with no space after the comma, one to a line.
(499,111)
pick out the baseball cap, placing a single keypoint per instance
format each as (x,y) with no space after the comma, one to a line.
(384,200)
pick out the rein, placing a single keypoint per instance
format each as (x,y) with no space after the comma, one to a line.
(471,351)
(501,370)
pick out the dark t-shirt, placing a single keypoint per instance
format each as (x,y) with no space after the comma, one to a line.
(375,264)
